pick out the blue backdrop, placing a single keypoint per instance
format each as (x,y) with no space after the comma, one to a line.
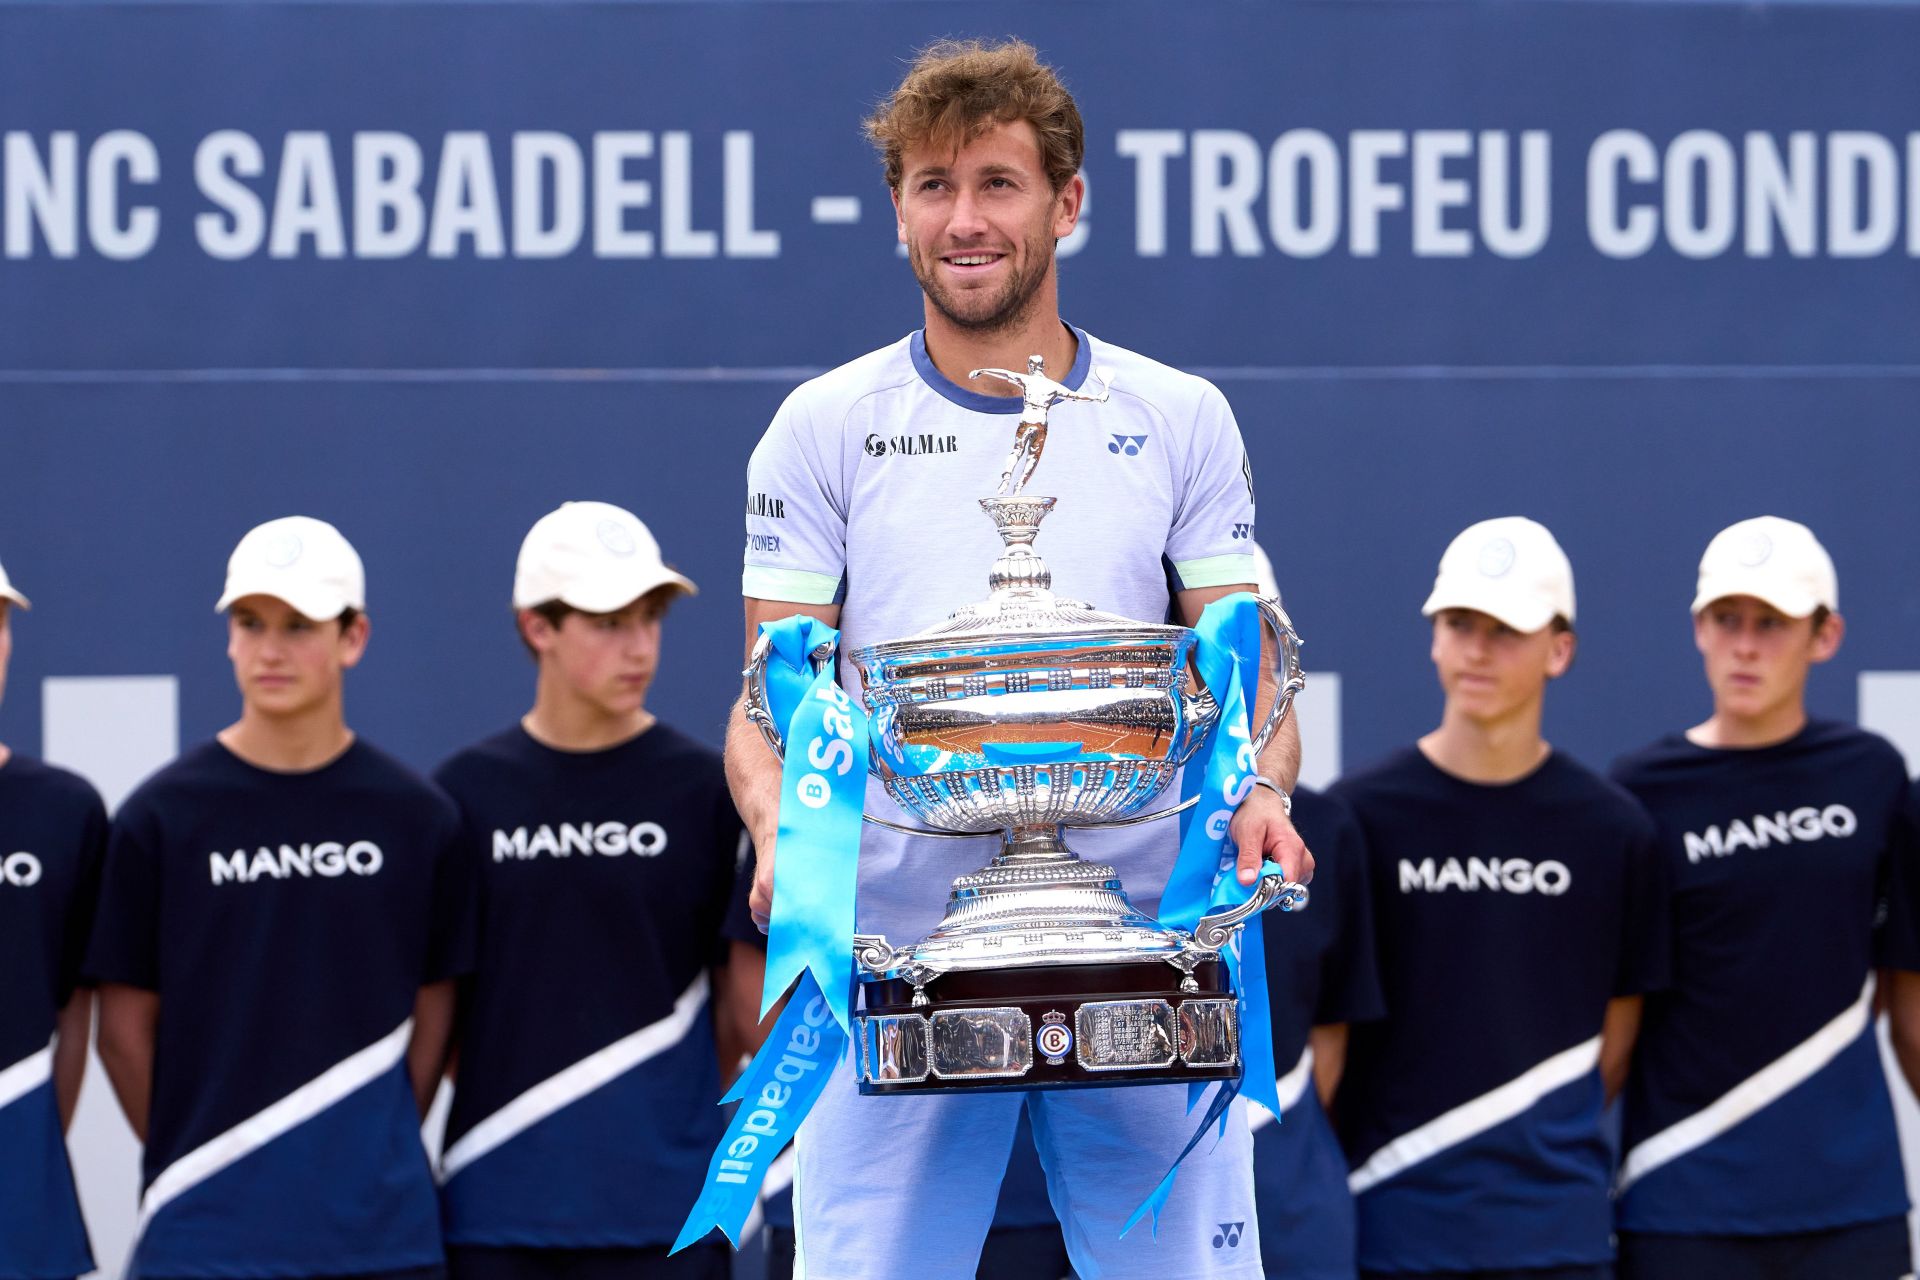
(427,270)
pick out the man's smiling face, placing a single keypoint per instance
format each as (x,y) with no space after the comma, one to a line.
(980,224)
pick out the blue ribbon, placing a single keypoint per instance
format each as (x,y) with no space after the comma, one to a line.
(823,786)
(1204,880)
(775,1093)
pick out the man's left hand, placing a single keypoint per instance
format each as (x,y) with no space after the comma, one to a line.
(1264,832)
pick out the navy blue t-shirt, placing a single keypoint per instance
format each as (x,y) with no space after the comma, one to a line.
(584,1109)
(53,835)
(287,922)
(1320,972)
(1778,857)
(1508,916)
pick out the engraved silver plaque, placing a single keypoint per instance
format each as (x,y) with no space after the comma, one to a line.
(982,1043)
(899,1048)
(1124,1035)
(1209,1032)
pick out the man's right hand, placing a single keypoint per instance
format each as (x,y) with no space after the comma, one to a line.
(753,772)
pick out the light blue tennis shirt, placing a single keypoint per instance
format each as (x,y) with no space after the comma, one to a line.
(865,491)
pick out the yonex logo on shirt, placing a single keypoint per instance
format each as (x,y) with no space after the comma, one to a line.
(1509,875)
(327,859)
(609,839)
(1129,446)
(1783,827)
(21,870)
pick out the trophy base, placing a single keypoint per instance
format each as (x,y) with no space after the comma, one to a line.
(1049,1027)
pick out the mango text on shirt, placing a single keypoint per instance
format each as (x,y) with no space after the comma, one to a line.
(21,870)
(609,839)
(1784,827)
(327,859)
(1509,875)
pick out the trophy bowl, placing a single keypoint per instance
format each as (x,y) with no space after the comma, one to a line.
(1026,715)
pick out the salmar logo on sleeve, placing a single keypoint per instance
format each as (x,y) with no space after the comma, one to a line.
(21,870)
(328,860)
(607,839)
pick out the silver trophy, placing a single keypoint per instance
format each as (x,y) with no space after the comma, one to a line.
(1023,715)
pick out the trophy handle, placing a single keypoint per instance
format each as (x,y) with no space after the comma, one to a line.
(1292,679)
(754,699)
(1216,930)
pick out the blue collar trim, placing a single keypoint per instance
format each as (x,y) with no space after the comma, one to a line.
(980,402)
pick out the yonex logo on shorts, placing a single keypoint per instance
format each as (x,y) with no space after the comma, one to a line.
(327,860)
(1228,1236)
(1784,827)
(21,870)
(607,839)
(1509,875)
(1243,531)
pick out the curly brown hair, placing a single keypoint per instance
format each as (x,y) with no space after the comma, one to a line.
(956,90)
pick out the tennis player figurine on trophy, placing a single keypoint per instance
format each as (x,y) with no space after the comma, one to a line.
(1028,714)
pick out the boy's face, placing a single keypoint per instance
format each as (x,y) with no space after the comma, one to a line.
(1489,671)
(285,662)
(980,224)
(1757,657)
(606,659)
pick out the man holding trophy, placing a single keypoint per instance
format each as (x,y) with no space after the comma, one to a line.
(862,515)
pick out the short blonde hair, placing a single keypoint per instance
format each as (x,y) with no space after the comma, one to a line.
(956,90)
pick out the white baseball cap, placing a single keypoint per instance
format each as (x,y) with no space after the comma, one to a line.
(300,560)
(9,592)
(593,556)
(1778,561)
(1509,568)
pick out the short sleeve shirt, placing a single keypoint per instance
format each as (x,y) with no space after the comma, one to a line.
(1759,1064)
(585,1107)
(287,922)
(864,491)
(1508,917)
(53,836)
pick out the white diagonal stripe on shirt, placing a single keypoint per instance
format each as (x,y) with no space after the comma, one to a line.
(1471,1119)
(1290,1087)
(576,1082)
(26,1075)
(1764,1087)
(257,1130)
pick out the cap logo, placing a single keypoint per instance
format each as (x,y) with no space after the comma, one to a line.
(615,537)
(282,549)
(1496,558)
(1754,549)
